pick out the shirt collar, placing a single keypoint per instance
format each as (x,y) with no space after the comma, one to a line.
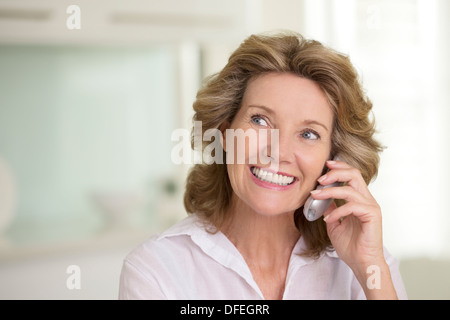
(187,226)
(220,248)
(214,244)
(195,227)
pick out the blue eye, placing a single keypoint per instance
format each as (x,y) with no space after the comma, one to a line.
(310,135)
(259,121)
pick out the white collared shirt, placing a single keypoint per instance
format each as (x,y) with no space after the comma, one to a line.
(188,262)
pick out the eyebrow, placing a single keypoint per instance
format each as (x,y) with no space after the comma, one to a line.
(267,109)
(307,122)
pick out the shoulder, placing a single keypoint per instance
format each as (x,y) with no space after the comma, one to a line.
(171,242)
(159,262)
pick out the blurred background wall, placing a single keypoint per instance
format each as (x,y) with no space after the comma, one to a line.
(89,97)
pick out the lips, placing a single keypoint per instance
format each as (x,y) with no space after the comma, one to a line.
(279,179)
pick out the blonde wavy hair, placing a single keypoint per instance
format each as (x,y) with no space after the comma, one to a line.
(208,190)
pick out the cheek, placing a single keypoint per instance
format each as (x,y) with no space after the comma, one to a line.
(313,165)
(245,147)
(236,176)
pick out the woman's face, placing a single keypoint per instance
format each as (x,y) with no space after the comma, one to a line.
(300,112)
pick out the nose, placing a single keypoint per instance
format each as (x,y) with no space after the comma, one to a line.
(280,148)
(285,148)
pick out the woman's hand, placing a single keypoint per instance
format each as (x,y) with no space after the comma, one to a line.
(355,229)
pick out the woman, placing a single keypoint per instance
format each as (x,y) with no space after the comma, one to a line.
(246,236)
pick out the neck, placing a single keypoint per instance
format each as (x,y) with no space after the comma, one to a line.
(267,241)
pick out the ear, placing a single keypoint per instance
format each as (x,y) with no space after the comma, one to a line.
(223,127)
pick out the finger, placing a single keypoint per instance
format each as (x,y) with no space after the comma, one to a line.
(346,193)
(350,176)
(338,164)
(364,212)
(333,164)
(342,172)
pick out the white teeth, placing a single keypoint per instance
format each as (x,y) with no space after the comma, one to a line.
(272,177)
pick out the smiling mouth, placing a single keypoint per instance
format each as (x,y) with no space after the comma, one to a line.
(275,178)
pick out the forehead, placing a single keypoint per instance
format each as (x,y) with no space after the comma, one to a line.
(288,94)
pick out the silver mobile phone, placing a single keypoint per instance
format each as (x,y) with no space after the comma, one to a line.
(314,208)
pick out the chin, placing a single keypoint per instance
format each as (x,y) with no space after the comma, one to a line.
(272,208)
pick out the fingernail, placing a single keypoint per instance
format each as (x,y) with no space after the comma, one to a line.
(322,178)
(325,218)
(315,191)
(331,162)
